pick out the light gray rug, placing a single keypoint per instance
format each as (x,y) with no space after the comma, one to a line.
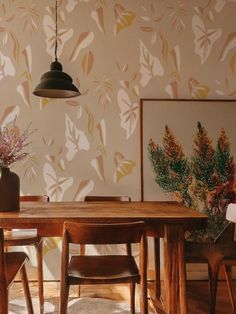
(81,306)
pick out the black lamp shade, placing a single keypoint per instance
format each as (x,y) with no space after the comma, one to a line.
(56,84)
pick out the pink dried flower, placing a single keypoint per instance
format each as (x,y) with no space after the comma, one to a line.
(12,144)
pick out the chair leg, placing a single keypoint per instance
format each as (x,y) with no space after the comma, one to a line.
(39,251)
(26,290)
(213,270)
(228,276)
(64,293)
(82,253)
(3,298)
(132,297)
(157,267)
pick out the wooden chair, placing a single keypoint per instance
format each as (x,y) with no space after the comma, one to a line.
(23,237)
(103,269)
(10,264)
(104,198)
(221,252)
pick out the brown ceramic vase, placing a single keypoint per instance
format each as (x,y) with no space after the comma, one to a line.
(9,190)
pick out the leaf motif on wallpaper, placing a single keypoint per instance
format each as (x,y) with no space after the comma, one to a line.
(129,112)
(150,65)
(61,165)
(44,102)
(102,131)
(6,66)
(87,62)
(177,14)
(176,57)
(23,90)
(98,17)
(229,44)
(71,4)
(84,188)
(76,139)
(135,91)
(55,186)
(50,243)
(16,46)
(63,36)
(73,103)
(197,90)
(204,38)
(147,29)
(29,167)
(97,164)
(28,14)
(84,40)
(50,142)
(90,121)
(172,90)
(9,114)
(104,88)
(27,53)
(165,47)
(124,18)
(4,35)
(124,167)
(219,4)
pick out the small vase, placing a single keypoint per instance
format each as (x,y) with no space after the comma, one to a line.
(9,190)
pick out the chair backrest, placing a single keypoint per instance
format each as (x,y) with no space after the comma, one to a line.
(104,198)
(120,233)
(34,198)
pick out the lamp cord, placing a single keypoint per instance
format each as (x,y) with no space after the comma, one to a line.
(56,30)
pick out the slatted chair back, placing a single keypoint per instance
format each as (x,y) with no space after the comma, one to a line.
(104,198)
(103,233)
(34,198)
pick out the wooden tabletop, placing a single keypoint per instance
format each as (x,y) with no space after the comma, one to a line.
(36,214)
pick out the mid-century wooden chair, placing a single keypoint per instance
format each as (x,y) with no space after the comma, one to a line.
(21,237)
(220,252)
(104,198)
(10,264)
(103,269)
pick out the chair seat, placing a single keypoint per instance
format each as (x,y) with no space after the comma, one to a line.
(88,268)
(14,262)
(16,237)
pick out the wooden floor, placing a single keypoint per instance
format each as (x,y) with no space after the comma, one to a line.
(197,295)
(197,298)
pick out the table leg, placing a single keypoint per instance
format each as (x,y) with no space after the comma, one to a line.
(182,274)
(174,270)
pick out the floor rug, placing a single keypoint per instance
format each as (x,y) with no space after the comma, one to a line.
(82,306)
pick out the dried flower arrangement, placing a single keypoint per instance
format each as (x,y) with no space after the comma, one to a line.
(205,181)
(12,144)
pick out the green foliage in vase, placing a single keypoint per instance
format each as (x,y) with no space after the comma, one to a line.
(205,181)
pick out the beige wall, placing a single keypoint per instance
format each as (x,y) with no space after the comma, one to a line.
(117,52)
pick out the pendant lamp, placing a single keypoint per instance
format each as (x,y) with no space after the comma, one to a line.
(56,83)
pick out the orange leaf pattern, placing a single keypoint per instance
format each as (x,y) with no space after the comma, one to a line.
(124,18)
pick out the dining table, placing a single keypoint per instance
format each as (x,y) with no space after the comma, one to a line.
(167,220)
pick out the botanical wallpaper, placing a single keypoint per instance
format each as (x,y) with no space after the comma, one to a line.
(116,51)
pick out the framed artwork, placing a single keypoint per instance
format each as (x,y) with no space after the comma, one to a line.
(182,118)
